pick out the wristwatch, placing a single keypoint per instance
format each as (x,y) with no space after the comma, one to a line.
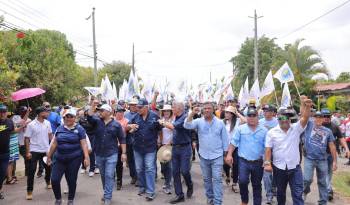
(267,162)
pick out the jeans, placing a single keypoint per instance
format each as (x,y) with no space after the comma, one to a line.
(255,171)
(181,164)
(4,161)
(330,174)
(321,167)
(268,184)
(33,162)
(234,167)
(119,167)
(146,171)
(107,172)
(70,169)
(131,160)
(295,179)
(91,156)
(212,176)
(166,171)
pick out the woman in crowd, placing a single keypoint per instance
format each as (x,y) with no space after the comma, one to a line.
(165,138)
(71,146)
(232,119)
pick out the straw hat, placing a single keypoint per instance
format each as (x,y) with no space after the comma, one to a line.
(164,153)
(230,109)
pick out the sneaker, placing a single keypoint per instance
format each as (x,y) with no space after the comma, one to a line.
(210,201)
(58,202)
(167,190)
(91,174)
(119,186)
(65,191)
(39,174)
(330,196)
(2,196)
(29,196)
(97,171)
(82,171)
(189,191)
(269,201)
(70,202)
(133,180)
(49,186)
(141,192)
(107,202)
(150,197)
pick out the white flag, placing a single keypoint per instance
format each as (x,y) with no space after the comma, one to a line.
(240,95)
(286,99)
(284,74)
(108,93)
(93,90)
(245,96)
(255,91)
(268,86)
(147,90)
(114,88)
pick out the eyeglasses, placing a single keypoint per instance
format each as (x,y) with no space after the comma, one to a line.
(283,117)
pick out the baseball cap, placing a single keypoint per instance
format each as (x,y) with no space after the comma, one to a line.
(270,108)
(70,111)
(41,109)
(252,111)
(318,114)
(142,102)
(326,112)
(133,101)
(3,108)
(121,102)
(105,107)
(119,108)
(285,111)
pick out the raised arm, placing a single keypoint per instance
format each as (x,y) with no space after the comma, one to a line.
(305,110)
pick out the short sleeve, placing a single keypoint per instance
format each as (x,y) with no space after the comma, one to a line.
(330,137)
(268,140)
(28,132)
(236,137)
(81,133)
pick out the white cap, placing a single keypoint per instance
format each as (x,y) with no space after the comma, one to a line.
(106,107)
(70,111)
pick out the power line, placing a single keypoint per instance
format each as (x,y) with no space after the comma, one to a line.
(315,19)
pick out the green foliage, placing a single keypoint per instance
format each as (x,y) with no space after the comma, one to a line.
(344,77)
(117,71)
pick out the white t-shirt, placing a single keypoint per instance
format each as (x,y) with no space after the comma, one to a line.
(167,135)
(39,135)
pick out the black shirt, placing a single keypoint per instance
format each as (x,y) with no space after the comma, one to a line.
(336,132)
(6,128)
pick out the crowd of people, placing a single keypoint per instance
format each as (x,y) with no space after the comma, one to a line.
(235,144)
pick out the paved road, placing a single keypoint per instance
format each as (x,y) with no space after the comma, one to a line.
(89,192)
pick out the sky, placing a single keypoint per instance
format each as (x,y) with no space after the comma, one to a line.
(189,39)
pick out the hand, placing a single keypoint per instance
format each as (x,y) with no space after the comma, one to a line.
(161,122)
(347,154)
(229,160)
(156,93)
(305,101)
(86,162)
(268,168)
(334,166)
(29,155)
(124,157)
(196,110)
(48,161)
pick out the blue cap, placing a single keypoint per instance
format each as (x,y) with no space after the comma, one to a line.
(3,108)
(326,112)
(142,102)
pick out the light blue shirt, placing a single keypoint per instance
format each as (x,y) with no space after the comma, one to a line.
(269,124)
(212,137)
(250,144)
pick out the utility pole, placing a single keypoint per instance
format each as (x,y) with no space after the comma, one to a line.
(133,59)
(256,57)
(94,46)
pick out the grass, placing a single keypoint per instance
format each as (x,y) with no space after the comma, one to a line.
(341,183)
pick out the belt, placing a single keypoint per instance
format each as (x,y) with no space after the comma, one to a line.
(251,161)
(180,145)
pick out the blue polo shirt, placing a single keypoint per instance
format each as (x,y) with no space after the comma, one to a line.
(68,142)
(107,136)
(146,136)
(250,144)
(181,135)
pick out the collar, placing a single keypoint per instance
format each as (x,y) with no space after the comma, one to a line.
(72,128)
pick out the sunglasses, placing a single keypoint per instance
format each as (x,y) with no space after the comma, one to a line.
(140,106)
(283,118)
(252,115)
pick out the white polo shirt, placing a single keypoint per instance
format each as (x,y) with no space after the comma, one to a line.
(39,135)
(285,145)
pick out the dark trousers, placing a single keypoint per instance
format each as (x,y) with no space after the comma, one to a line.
(119,168)
(131,160)
(181,164)
(22,151)
(91,156)
(4,161)
(295,179)
(234,168)
(165,169)
(33,162)
(254,171)
(70,169)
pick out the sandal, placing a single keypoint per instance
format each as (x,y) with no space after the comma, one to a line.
(234,188)
(10,182)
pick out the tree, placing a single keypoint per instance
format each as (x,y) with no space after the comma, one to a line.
(344,77)
(269,55)
(117,71)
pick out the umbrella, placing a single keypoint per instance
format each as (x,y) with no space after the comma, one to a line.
(26,93)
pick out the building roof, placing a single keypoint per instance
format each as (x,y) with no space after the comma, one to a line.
(333,87)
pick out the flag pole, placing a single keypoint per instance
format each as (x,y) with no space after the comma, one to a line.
(276,98)
(296,88)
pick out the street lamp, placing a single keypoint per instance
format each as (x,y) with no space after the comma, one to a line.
(133,57)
